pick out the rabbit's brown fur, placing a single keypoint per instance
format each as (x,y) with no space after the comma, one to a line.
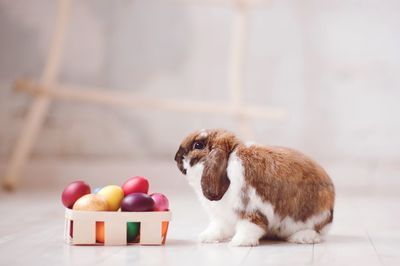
(293,183)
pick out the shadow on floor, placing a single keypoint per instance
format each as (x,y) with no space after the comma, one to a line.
(180,242)
(331,239)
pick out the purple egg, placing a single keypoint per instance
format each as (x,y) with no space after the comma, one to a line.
(137,202)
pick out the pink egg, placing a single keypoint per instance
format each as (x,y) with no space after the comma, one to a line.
(161,202)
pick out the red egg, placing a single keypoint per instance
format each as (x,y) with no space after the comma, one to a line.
(161,202)
(73,192)
(137,202)
(137,184)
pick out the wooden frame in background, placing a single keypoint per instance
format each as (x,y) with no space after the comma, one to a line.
(48,88)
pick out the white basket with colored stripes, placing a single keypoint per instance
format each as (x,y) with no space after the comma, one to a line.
(82,227)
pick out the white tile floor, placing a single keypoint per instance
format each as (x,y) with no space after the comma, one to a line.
(366,229)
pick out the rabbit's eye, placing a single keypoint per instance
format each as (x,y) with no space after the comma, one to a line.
(198,145)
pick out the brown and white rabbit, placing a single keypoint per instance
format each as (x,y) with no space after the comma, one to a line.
(251,191)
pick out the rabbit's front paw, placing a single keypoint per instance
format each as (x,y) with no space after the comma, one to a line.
(215,233)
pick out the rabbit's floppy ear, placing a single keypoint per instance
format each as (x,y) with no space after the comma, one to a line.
(215,181)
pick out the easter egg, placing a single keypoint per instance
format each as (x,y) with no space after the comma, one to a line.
(73,192)
(71,230)
(164,230)
(137,202)
(100,232)
(113,195)
(132,231)
(96,190)
(91,202)
(161,202)
(135,185)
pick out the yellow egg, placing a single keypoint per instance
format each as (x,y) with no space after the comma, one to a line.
(91,202)
(113,195)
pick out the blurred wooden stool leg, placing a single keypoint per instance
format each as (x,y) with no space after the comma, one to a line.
(39,107)
(27,137)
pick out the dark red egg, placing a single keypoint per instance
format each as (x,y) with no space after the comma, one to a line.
(137,202)
(73,192)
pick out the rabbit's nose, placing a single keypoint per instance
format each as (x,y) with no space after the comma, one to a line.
(178,157)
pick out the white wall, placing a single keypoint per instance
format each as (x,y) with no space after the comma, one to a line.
(333,65)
